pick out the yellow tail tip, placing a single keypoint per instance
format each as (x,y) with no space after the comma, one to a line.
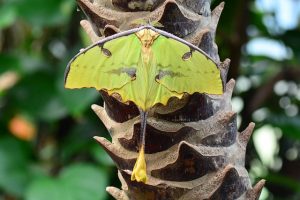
(139,172)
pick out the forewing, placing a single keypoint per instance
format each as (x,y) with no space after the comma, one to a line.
(109,65)
(183,72)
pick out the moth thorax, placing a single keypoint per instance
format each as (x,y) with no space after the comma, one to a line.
(147,37)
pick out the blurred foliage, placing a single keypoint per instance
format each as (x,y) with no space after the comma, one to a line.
(46,150)
(46,145)
(267,86)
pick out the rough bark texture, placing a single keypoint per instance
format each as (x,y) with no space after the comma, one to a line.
(193,148)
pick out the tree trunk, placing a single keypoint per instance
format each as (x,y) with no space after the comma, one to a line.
(193,149)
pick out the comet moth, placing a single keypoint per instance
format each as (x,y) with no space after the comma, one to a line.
(146,66)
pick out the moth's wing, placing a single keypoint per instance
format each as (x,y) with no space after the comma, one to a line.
(195,74)
(95,67)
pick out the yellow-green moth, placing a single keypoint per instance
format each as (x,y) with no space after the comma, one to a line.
(147,66)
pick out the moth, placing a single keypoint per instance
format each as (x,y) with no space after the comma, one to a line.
(146,66)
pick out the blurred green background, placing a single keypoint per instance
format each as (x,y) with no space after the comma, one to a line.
(46,146)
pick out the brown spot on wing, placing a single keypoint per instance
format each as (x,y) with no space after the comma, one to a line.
(130,71)
(162,73)
(106,52)
(187,56)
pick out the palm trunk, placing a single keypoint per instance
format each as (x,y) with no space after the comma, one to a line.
(193,148)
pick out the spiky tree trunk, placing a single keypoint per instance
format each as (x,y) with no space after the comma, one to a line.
(193,149)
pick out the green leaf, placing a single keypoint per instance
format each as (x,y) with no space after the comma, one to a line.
(283,181)
(76,101)
(37,96)
(9,62)
(290,126)
(14,170)
(77,182)
(45,189)
(7,16)
(45,13)
(291,39)
(85,181)
(79,140)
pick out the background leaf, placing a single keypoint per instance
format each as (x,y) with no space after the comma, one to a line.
(77,182)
